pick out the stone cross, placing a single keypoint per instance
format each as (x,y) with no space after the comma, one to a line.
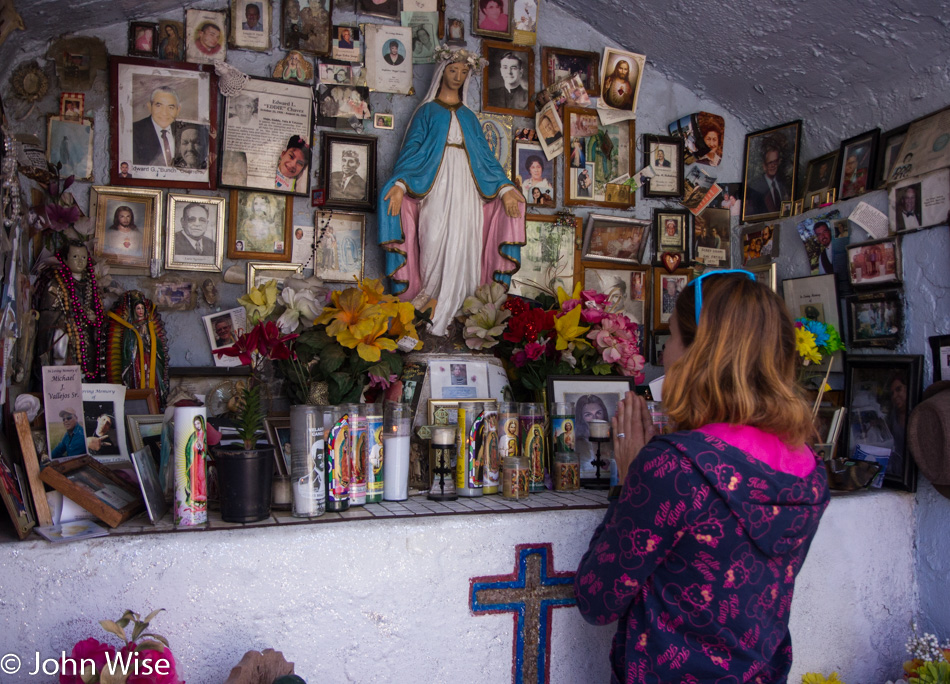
(531,592)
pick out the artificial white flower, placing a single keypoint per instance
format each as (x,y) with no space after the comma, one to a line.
(301,309)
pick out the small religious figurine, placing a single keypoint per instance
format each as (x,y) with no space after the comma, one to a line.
(137,345)
(72,320)
(449,218)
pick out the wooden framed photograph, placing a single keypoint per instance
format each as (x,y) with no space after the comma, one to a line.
(620,76)
(205,36)
(16,495)
(341,253)
(919,202)
(266,139)
(888,151)
(128,233)
(876,262)
(69,143)
(31,463)
(875,319)
(195,235)
(258,273)
(72,106)
(664,154)
(767,274)
(880,393)
(347,44)
(558,64)
(497,129)
(349,171)
(594,398)
(628,289)
(305,24)
(771,162)
(152,492)
(162,117)
(94,487)
(223,329)
(711,239)
(617,239)
(387,9)
(820,177)
(508,78)
(171,43)
(492,19)
(940,349)
(259,226)
(383,122)
(608,160)
(858,158)
(760,244)
(549,257)
(143,39)
(815,298)
(251,25)
(666,288)
(535,174)
(145,432)
(671,233)
(142,401)
(278,431)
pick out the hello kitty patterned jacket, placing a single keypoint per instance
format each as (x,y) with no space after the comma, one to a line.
(697,558)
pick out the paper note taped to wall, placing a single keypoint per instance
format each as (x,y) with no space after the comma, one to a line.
(869,218)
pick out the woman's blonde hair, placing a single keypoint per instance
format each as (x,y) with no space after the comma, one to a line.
(739,366)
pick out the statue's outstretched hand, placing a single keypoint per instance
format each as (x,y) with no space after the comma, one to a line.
(394,197)
(511,199)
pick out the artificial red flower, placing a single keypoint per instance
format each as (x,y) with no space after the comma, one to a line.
(270,341)
(242,349)
(516,306)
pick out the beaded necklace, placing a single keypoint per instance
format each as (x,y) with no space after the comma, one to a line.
(81,323)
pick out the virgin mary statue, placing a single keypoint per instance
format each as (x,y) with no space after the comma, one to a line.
(449,218)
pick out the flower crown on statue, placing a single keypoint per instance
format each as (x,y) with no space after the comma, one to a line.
(446,54)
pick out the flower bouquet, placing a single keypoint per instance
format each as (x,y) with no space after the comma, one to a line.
(815,341)
(574,333)
(145,657)
(356,342)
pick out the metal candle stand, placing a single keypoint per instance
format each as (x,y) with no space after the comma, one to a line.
(597,482)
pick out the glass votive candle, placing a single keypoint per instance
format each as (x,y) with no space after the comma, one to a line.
(514,478)
(567,471)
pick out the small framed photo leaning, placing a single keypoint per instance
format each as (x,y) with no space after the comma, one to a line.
(875,262)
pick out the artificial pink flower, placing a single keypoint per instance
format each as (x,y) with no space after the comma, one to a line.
(535,350)
(519,358)
(87,649)
(382,382)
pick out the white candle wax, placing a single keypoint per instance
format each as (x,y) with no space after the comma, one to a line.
(396,468)
(598,428)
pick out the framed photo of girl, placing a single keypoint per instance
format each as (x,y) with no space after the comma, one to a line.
(536,175)
(771,163)
(266,137)
(558,64)
(607,160)
(349,171)
(260,226)
(492,18)
(508,79)
(880,393)
(858,159)
(162,116)
(128,225)
(665,155)
(195,234)
(251,25)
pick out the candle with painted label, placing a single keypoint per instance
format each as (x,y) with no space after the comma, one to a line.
(307,461)
(397,420)
(532,441)
(490,439)
(374,453)
(469,465)
(355,449)
(337,435)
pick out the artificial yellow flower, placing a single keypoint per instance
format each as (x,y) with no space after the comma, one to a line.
(805,344)
(373,289)
(351,312)
(563,296)
(816,678)
(259,302)
(569,329)
(400,323)
(369,345)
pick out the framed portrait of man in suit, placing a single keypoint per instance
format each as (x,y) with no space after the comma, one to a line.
(163,118)
(771,160)
(349,171)
(508,80)
(194,240)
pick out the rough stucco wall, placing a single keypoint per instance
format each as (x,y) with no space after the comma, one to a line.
(382,601)
(843,67)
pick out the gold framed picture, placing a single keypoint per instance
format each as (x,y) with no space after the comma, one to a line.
(194,240)
(260,226)
(128,225)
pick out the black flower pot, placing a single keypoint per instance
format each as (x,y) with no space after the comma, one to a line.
(244,482)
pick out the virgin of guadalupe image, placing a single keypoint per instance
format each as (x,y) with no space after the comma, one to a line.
(449,217)
(196,493)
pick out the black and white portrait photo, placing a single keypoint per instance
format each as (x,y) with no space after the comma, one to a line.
(509,80)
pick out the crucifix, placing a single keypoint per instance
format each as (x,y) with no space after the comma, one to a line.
(531,592)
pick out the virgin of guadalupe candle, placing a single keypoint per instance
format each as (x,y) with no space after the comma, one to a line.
(532,440)
(374,453)
(191,452)
(490,441)
(307,462)
(514,478)
(356,449)
(567,472)
(469,469)
(337,434)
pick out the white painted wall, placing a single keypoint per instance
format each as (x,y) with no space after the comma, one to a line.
(381,601)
